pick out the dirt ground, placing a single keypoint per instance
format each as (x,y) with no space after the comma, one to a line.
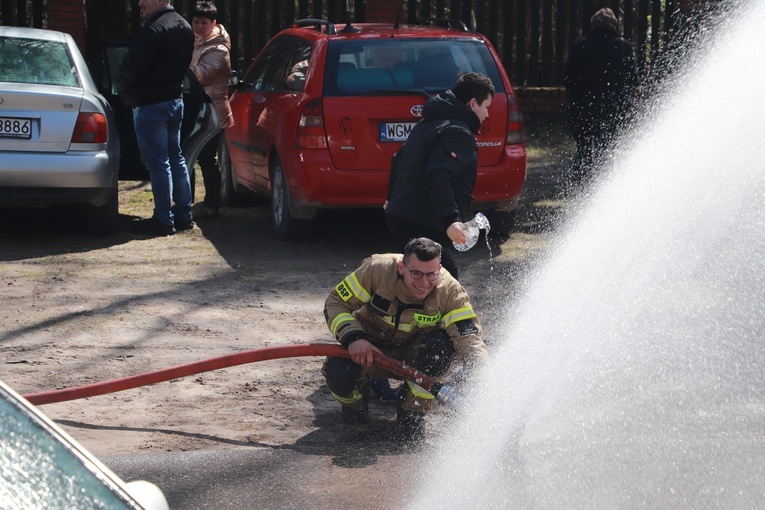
(76,310)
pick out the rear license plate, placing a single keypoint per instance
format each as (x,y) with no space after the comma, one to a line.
(395,131)
(12,127)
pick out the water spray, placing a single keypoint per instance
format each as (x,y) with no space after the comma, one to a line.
(443,393)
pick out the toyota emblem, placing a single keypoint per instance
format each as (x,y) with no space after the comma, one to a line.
(416,110)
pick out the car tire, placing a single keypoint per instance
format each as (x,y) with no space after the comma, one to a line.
(103,219)
(286,226)
(228,193)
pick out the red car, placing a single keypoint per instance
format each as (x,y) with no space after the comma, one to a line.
(322,110)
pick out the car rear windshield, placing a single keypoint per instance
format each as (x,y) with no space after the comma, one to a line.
(36,61)
(397,65)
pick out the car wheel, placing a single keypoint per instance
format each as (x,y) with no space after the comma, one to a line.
(103,219)
(287,227)
(228,194)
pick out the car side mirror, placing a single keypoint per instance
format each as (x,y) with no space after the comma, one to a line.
(233,79)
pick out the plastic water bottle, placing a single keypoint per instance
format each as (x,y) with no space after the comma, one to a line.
(472,229)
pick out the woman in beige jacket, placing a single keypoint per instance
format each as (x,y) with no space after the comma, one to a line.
(211,64)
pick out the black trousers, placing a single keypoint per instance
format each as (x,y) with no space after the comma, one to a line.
(208,162)
(594,127)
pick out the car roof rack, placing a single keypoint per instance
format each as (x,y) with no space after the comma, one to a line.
(317,24)
(449,23)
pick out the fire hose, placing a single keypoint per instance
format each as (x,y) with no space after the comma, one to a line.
(443,393)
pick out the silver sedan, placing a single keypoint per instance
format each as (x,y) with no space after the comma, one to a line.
(58,139)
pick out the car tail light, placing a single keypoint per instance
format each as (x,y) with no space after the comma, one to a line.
(514,121)
(310,131)
(90,128)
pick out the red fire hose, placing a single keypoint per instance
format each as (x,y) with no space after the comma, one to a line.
(442,392)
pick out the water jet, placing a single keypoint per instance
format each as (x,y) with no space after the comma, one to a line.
(631,370)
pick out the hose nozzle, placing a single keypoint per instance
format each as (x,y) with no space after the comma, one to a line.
(447,395)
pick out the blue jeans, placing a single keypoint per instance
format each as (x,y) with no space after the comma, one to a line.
(158,129)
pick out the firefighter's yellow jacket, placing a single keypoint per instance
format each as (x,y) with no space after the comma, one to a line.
(374,303)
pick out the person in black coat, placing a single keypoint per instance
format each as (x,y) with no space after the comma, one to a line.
(601,79)
(433,173)
(151,81)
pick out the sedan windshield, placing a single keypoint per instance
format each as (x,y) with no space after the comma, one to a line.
(36,61)
(362,67)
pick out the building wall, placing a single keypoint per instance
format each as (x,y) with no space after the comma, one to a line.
(68,16)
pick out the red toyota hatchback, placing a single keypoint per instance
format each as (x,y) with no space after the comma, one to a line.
(321,111)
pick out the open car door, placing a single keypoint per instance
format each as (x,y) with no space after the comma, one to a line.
(200,118)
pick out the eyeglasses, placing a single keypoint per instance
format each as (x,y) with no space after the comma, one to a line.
(417,275)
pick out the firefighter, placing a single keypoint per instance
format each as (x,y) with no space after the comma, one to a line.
(408,308)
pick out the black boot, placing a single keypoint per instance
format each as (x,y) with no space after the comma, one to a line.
(359,413)
(354,417)
(410,426)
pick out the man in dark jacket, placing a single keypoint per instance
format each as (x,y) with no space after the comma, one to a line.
(601,78)
(432,175)
(151,81)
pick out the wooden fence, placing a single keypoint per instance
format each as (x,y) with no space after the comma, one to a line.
(532,36)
